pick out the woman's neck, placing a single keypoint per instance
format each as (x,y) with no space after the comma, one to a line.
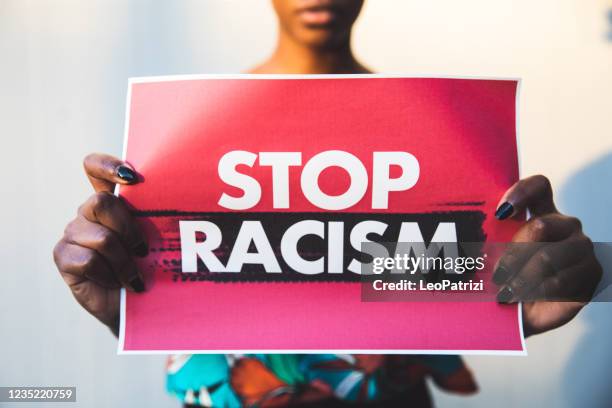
(293,58)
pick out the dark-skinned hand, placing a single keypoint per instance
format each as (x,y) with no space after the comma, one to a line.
(95,254)
(550,266)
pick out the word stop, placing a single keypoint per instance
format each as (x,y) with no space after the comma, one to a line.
(382,182)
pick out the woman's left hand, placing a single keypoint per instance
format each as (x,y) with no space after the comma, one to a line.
(552,267)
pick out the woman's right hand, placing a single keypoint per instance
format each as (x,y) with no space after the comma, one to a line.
(95,254)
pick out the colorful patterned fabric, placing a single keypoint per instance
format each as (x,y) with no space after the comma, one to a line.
(276,380)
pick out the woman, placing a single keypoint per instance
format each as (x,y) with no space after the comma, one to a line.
(94,258)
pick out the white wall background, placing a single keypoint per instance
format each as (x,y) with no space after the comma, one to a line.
(63,71)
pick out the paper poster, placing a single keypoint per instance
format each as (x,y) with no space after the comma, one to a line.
(259,193)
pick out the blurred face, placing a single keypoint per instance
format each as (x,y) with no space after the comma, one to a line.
(318,23)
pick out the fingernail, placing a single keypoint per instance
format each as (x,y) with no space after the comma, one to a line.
(501,275)
(141,249)
(137,284)
(504,295)
(504,211)
(125,173)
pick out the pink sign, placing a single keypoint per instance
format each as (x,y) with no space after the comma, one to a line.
(258,192)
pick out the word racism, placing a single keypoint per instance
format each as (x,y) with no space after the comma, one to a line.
(316,242)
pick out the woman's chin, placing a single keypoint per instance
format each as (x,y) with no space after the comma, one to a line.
(322,36)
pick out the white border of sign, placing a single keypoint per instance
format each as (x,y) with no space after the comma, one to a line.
(166,78)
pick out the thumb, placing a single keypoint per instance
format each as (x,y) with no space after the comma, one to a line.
(533,193)
(105,171)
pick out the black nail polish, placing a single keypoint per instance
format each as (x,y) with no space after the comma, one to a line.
(504,295)
(125,173)
(137,284)
(504,211)
(501,275)
(141,249)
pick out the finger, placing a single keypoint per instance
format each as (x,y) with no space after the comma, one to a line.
(544,264)
(548,228)
(533,194)
(546,316)
(105,242)
(74,261)
(85,263)
(576,283)
(110,211)
(529,239)
(513,259)
(104,171)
